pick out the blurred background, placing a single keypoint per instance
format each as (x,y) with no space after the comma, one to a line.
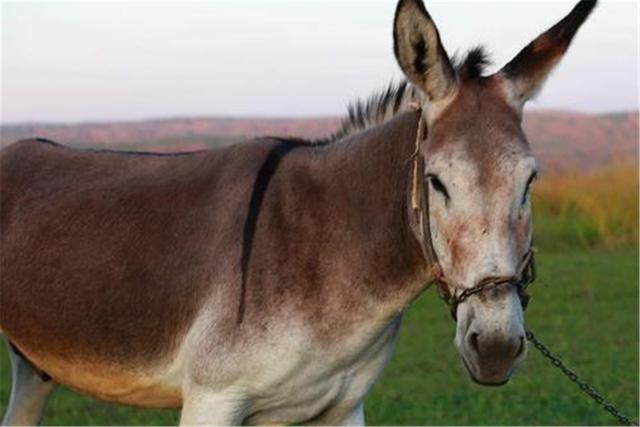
(180,76)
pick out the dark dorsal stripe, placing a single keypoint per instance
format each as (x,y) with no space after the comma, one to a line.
(123,152)
(48,141)
(266,172)
(146,153)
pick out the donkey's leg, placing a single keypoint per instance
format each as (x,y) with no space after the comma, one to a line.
(29,392)
(355,417)
(342,414)
(204,407)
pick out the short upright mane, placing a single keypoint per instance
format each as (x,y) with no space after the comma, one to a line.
(378,108)
(383,105)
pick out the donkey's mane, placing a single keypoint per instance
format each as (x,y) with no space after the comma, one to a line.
(376,109)
(383,105)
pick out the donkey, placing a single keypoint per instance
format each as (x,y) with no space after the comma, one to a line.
(265,282)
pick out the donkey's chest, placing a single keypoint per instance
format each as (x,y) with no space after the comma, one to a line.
(304,397)
(314,383)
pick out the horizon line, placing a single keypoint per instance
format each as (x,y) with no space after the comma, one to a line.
(273,118)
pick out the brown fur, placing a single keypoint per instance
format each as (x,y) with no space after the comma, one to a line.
(376,252)
(111,383)
(106,258)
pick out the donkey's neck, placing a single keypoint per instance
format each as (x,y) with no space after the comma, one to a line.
(366,180)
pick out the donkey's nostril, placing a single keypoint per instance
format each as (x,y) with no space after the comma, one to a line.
(521,348)
(473,342)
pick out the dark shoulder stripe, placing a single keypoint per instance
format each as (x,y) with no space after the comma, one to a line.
(266,172)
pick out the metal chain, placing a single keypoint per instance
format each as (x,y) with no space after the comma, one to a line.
(555,361)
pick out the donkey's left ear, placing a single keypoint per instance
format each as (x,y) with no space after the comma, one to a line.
(531,66)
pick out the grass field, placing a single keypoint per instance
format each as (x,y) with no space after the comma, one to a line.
(584,306)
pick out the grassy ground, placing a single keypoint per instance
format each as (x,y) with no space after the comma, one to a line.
(584,306)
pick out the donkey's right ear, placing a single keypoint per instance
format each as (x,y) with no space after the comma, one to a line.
(419,51)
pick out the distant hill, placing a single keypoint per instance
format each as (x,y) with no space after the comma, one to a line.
(573,141)
(560,140)
(179,134)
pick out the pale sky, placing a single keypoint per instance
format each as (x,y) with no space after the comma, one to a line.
(97,61)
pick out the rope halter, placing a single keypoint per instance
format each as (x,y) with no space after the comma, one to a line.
(525,276)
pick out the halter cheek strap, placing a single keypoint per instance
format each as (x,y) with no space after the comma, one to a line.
(420,204)
(420,224)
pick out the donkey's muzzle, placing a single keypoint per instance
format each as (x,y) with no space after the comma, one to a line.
(490,358)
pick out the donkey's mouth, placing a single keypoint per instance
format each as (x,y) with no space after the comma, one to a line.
(480,382)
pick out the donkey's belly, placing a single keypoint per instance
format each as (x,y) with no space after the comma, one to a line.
(137,391)
(145,386)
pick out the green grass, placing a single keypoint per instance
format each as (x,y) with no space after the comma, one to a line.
(584,306)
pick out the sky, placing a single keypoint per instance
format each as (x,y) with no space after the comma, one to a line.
(103,61)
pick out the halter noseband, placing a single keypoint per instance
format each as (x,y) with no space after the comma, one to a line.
(525,276)
(420,205)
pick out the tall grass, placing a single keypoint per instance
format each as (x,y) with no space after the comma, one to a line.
(593,209)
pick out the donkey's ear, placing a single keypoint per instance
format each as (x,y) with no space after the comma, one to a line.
(419,51)
(531,66)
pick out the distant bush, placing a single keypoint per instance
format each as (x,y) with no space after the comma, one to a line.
(598,208)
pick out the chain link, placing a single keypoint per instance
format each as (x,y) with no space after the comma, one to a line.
(555,361)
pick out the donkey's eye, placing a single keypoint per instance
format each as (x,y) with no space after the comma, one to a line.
(438,185)
(527,189)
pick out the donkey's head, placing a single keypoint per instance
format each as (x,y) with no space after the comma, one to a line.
(479,167)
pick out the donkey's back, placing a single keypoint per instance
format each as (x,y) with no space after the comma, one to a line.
(107,257)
